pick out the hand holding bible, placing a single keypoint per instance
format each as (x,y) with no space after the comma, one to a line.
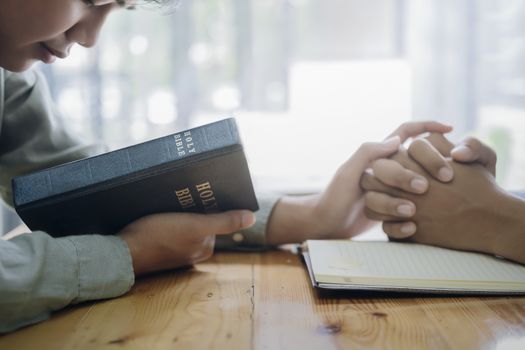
(170,240)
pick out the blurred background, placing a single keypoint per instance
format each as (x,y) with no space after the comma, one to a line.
(308,80)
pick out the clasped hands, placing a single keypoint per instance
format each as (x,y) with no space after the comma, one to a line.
(434,192)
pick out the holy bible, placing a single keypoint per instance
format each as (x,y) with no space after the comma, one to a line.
(409,267)
(202,170)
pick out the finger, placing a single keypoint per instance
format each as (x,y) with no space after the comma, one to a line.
(423,152)
(402,157)
(412,129)
(220,223)
(367,153)
(399,230)
(392,173)
(373,215)
(384,204)
(369,182)
(471,150)
(441,143)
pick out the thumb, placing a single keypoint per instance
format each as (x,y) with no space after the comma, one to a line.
(471,150)
(344,189)
(225,223)
(370,151)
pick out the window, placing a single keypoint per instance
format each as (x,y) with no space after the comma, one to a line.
(308,80)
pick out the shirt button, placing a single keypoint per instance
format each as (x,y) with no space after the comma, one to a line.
(238,237)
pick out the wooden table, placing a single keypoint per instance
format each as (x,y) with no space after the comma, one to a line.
(265,301)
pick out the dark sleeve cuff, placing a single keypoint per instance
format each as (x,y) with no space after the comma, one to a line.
(253,238)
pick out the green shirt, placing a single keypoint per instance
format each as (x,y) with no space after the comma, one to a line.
(40,274)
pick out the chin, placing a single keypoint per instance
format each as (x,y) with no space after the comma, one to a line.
(17,66)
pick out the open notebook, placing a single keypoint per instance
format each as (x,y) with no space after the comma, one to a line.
(408,267)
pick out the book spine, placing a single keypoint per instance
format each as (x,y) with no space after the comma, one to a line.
(213,184)
(181,146)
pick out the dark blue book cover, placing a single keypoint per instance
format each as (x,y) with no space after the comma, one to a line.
(202,170)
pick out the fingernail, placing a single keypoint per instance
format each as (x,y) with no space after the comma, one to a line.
(248,219)
(419,184)
(462,150)
(405,210)
(409,228)
(445,174)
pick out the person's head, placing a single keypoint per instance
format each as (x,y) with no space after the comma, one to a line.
(32,30)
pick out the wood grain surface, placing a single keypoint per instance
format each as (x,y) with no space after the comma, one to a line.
(265,301)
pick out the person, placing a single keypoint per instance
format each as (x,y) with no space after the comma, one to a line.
(467,210)
(40,274)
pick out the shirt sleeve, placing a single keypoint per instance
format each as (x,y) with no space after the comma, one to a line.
(40,274)
(253,238)
(32,135)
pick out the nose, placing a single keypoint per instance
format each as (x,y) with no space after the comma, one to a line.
(85,32)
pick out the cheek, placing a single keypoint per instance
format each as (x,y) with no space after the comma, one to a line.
(49,20)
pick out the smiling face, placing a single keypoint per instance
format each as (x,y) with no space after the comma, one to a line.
(33,30)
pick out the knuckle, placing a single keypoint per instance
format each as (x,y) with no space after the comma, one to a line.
(403,129)
(377,163)
(367,146)
(474,143)
(371,214)
(238,222)
(416,145)
(234,222)
(389,172)
(426,154)
(435,137)
(391,206)
(399,155)
(370,199)
(400,179)
(380,203)
(366,181)
(434,165)
(378,166)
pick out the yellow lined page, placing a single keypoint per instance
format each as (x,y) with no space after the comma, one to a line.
(409,264)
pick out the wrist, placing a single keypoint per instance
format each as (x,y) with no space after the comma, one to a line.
(137,260)
(291,220)
(509,239)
